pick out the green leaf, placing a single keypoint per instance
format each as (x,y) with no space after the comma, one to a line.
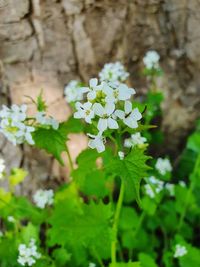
(90,225)
(128,218)
(146,260)
(28,232)
(17,176)
(132,169)
(61,256)
(73,125)
(194,142)
(53,141)
(41,104)
(127,264)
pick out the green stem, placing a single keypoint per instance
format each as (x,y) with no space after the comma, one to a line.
(70,159)
(189,193)
(115,224)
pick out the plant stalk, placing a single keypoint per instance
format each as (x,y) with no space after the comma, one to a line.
(115,224)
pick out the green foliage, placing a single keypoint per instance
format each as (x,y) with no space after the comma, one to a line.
(132,169)
(51,140)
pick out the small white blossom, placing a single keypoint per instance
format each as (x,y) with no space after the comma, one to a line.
(13,126)
(2,167)
(151,59)
(113,72)
(182,184)
(154,186)
(163,166)
(149,191)
(43,197)
(105,114)
(97,141)
(91,264)
(121,155)
(136,139)
(170,188)
(42,119)
(28,254)
(129,116)
(73,91)
(11,219)
(180,251)
(121,92)
(84,111)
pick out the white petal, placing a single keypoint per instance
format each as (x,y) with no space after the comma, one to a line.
(112,124)
(109,108)
(100,147)
(120,114)
(87,105)
(131,123)
(127,107)
(77,115)
(98,109)
(91,95)
(93,82)
(135,114)
(102,125)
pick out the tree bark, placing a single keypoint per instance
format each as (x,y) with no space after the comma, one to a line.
(44,44)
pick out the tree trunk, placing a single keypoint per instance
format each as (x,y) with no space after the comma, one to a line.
(44,44)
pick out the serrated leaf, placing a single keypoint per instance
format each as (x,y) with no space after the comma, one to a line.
(51,140)
(132,169)
(90,226)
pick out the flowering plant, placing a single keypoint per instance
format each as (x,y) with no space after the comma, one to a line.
(121,207)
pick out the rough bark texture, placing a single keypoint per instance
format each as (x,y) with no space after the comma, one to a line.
(45,43)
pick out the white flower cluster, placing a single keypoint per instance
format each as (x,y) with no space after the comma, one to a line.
(151,59)
(11,219)
(103,105)
(114,73)
(73,91)
(135,140)
(13,125)
(153,187)
(28,254)
(43,197)
(44,120)
(163,166)
(180,251)
(2,167)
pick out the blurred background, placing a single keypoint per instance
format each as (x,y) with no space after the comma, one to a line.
(46,43)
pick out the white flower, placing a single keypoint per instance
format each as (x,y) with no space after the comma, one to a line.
(2,167)
(129,116)
(24,133)
(121,155)
(163,166)
(84,111)
(28,254)
(97,141)
(154,186)
(13,125)
(42,119)
(121,92)
(98,92)
(180,251)
(1,234)
(11,219)
(113,72)
(43,197)
(73,91)
(106,120)
(149,191)
(158,184)
(182,184)
(151,59)
(136,139)
(91,264)
(170,188)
